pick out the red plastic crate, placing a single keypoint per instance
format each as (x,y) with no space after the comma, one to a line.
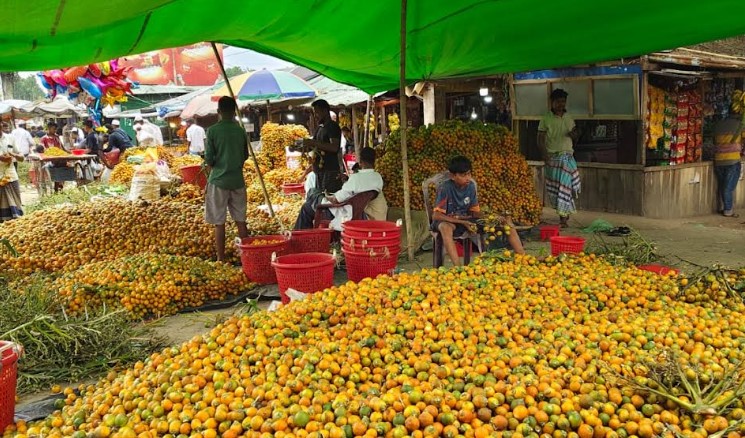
(9,353)
(361,264)
(293,188)
(549,231)
(361,229)
(256,260)
(308,273)
(567,244)
(315,240)
(659,269)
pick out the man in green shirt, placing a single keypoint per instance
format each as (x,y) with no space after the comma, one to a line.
(556,136)
(225,152)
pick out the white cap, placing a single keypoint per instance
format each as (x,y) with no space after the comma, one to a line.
(115,123)
(138,118)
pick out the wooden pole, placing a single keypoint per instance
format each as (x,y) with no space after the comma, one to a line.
(248,139)
(383,123)
(356,130)
(367,122)
(404,125)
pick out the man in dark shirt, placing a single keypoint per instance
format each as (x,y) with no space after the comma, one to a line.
(118,138)
(325,144)
(90,144)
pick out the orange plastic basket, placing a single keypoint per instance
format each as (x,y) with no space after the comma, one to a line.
(9,353)
(308,273)
(567,244)
(256,260)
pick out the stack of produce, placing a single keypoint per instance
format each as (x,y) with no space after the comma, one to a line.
(63,239)
(163,153)
(185,160)
(188,193)
(54,151)
(261,224)
(393,122)
(149,284)
(277,177)
(505,183)
(344,120)
(562,348)
(655,117)
(275,138)
(122,173)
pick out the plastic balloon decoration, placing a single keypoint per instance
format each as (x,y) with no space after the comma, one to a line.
(96,85)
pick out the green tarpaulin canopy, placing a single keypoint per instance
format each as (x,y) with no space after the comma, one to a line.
(357,42)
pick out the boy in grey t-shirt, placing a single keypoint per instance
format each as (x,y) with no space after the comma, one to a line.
(457,208)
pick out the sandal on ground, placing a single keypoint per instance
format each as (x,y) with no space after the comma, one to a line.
(620,231)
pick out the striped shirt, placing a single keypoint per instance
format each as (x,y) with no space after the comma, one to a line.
(728,142)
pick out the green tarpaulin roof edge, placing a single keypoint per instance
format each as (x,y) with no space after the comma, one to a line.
(357,43)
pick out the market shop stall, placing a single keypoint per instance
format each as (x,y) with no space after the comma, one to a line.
(645,131)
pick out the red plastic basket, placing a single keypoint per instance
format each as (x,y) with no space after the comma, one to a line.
(357,244)
(9,353)
(315,240)
(194,175)
(549,231)
(659,269)
(293,188)
(309,272)
(361,265)
(78,152)
(567,244)
(256,260)
(362,229)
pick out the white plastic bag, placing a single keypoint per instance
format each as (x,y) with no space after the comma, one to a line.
(162,171)
(106,175)
(274,306)
(295,295)
(145,187)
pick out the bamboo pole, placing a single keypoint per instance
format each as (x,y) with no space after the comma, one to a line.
(356,131)
(248,139)
(404,125)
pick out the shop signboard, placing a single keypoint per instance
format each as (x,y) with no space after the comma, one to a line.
(193,65)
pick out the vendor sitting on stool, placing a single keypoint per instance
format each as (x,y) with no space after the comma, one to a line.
(457,208)
(365,180)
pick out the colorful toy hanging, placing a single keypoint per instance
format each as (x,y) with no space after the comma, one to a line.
(97,85)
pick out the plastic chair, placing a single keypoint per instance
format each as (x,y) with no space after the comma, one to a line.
(358,203)
(438,248)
